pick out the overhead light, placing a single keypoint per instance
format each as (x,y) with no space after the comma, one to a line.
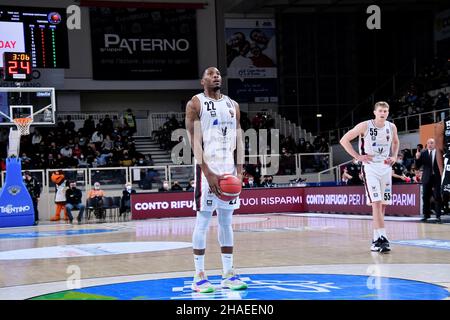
(319,115)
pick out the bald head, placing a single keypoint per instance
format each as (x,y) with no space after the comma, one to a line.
(431,144)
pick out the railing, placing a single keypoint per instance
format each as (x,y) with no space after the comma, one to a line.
(404,124)
(150,178)
(336,170)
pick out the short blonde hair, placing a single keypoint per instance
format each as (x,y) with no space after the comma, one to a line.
(382,104)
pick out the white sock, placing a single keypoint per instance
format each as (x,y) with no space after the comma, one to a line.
(199,262)
(227,262)
(375,234)
(382,232)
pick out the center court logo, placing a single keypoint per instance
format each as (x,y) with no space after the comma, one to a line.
(265,287)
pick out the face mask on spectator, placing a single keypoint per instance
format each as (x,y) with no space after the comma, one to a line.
(128,188)
(166,185)
(250,182)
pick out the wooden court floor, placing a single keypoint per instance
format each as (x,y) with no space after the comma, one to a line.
(42,260)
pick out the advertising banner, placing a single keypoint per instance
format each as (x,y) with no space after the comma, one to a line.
(143,44)
(251,59)
(352,199)
(342,199)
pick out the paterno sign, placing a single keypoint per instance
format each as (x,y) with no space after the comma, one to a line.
(406,201)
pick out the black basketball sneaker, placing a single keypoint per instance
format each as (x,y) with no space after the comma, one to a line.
(380,245)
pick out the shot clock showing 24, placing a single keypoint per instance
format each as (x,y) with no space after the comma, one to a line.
(16,66)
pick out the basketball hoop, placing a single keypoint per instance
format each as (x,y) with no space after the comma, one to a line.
(23,125)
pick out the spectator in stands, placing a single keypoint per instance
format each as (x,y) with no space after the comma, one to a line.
(108,125)
(165,186)
(26,161)
(107,143)
(352,174)
(441,101)
(176,186)
(125,199)
(73,198)
(66,151)
(97,138)
(399,171)
(417,176)
(126,161)
(69,125)
(95,197)
(102,158)
(37,138)
(191,186)
(82,163)
(40,162)
(268,182)
(250,183)
(116,123)
(89,126)
(129,121)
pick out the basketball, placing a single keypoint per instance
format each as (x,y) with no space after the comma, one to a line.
(231,187)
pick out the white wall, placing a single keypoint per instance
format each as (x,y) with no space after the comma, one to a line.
(156,101)
(78,93)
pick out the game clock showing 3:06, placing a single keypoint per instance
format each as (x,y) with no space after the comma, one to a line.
(16,66)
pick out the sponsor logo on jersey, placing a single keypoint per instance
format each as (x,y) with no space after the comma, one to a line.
(216,122)
(209,202)
(213,113)
(231,113)
(387,138)
(224,131)
(374,144)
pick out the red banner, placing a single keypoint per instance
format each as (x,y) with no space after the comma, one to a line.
(352,199)
(343,199)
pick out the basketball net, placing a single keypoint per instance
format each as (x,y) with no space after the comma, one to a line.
(23,125)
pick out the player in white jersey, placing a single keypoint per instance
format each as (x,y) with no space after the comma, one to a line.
(378,149)
(212,122)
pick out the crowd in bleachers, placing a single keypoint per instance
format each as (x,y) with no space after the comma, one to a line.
(109,143)
(415,98)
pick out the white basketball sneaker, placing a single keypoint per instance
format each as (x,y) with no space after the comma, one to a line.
(201,284)
(231,281)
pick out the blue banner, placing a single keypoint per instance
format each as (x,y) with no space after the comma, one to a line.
(16,206)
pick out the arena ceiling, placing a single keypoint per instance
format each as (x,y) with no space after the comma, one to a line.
(292,6)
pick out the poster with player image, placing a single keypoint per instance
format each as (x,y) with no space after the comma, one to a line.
(251,59)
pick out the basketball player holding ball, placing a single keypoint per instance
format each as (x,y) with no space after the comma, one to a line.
(212,122)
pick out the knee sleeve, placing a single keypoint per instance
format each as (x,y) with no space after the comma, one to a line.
(225,230)
(200,230)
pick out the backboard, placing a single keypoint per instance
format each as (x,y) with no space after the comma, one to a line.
(37,103)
